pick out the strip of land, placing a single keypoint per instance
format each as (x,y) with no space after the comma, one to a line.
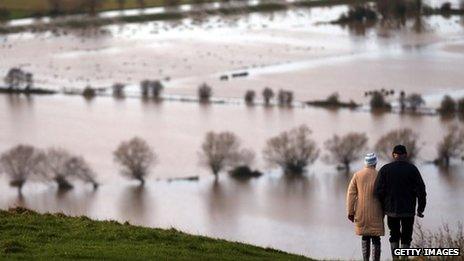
(29,235)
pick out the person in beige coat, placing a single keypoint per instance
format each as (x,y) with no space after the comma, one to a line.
(364,209)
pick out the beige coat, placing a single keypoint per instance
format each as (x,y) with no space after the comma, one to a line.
(361,202)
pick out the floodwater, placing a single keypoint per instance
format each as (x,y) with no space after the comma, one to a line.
(281,50)
(273,47)
(305,216)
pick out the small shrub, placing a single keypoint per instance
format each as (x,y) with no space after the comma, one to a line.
(244,173)
(89,92)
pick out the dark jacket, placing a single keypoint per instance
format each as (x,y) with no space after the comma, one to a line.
(397,186)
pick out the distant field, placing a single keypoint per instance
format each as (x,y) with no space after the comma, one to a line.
(27,8)
(27,235)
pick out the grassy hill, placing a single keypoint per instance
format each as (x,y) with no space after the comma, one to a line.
(25,234)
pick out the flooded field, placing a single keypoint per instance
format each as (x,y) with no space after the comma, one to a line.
(286,50)
(272,47)
(304,215)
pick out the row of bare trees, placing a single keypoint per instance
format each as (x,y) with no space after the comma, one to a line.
(23,162)
(154,88)
(292,151)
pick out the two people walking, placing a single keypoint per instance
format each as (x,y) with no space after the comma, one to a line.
(392,191)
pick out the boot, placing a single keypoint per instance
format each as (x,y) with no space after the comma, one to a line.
(405,246)
(376,252)
(394,245)
(366,249)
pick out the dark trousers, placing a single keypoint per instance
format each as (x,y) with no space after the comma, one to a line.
(375,239)
(401,228)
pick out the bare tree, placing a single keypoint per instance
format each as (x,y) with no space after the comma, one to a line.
(346,149)
(118,90)
(415,101)
(78,168)
(268,94)
(406,137)
(204,93)
(292,150)
(135,158)
(451,146)
(250,97)
(19,163)
(222,150)
(54,167)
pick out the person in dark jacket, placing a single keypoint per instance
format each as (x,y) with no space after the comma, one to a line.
(398,186)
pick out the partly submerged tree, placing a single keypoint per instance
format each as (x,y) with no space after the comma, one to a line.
(268,94)
(346,149)
(135,158)
(285,98)
(89,93)
(79,168)
(447,106)
(223,150)
(16,78)
(406,137)
(415,101)
(451,146)
(204,93)
(118,90)
(156,87)
(250,97)
(378,102)
(54,167)
(19,163)
(59,165)
(292,150)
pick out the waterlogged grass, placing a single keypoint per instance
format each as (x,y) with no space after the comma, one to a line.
(25,234)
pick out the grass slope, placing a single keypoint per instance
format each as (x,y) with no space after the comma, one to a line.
(25,234)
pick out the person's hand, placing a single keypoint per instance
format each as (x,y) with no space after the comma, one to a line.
(351,218)
(420,214)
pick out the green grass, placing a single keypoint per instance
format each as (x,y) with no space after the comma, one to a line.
(25,234)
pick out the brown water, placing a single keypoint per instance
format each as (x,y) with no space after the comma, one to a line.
(304,215)
(280,50)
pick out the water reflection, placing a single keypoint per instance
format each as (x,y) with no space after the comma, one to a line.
(134,204)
